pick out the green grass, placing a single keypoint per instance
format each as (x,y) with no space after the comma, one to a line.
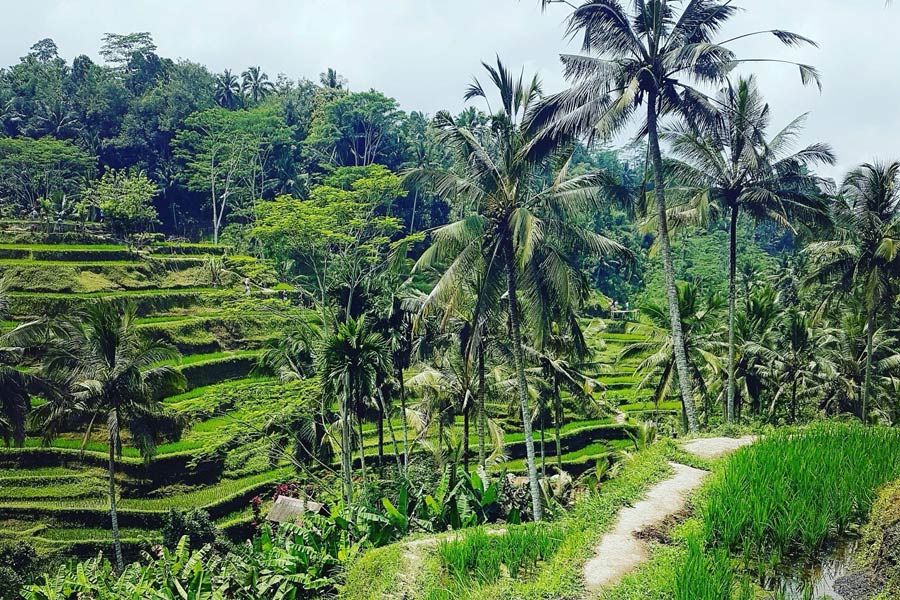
(192,359)
(63,247)
(797,490)
(117,294)
(14,262)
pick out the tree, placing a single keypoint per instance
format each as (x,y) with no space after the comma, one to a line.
(359,130)
(332,79)
(125,199)
(349,363)
(228,155)
(256,84)
(865,254)
(518,231)
(731,164)
(122,49)
(228,90)
(34,169)
(647,57)
(17,384)
(111,372)
(700,315)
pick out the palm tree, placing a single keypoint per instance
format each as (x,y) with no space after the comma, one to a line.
(350,362)
(332,79)
(514,221)
(17,384)
(256,84)
(795,363)
(700,320)
(648,57)
(731,164)
(110,372)
(865,255)
(228,90)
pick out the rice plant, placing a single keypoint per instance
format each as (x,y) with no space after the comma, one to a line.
(797,490)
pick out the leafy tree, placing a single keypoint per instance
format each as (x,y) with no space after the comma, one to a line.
(730,164)
(34,169)
(125,199)
(122,49)
(865,254)
(647,57)
(111,373)
(358,130)
(518,230)
(228,155)
(332,79)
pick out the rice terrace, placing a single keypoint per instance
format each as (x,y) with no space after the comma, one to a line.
(516,300)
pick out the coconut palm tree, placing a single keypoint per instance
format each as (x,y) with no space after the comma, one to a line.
(351,360)
(700,317)
(331,79)
(228,90)
(17,384)
(514,219)
(865,254)
(730,164)
(649,56)
(256,84)
(110,372)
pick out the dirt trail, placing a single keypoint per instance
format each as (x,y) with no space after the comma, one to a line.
(620,551)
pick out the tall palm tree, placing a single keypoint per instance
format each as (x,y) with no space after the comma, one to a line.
(865,255)
(256,84)
(332,79)
(110,372)
(351,360)
(649,56)
(514,219)
(228,90)
(732,165)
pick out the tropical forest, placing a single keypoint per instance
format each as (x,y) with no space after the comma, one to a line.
(626,330)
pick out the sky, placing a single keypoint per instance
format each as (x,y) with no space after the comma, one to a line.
(425,52)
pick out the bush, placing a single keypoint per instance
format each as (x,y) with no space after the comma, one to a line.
(18,567)
(194,523)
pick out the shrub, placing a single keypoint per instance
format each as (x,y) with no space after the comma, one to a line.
(194,523)
(18,566)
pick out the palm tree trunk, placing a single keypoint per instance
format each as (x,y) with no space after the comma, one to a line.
(794,401)
(381,434)
(466,437)
(732,268)
(557,423)
(543,450)
(113,515)
(867,389)
(681,362)
(403,424)
(519,358)
(481,416)
(346,463)
(362,449)
(397,455)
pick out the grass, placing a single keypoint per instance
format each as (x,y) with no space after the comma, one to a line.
(63,247)
(116,294)
(797,490)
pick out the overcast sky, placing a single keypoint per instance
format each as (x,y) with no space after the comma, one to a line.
(424,52)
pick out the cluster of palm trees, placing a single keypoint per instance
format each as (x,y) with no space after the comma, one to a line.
(89,367)
(251,88)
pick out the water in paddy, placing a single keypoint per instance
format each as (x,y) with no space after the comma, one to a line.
(816,581)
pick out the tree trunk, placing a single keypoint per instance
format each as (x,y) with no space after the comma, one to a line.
(362,449)
(113,515)
(519,358)
(543,449)
(557,423)
(867,389)
(794,401)
(681,362)
(481,416)
(381,434)
(346,464)
(732,269)
(402,385)
(466,411)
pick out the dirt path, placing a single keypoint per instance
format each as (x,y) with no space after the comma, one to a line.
(620,551)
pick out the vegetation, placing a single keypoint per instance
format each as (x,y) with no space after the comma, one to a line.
(441,353)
